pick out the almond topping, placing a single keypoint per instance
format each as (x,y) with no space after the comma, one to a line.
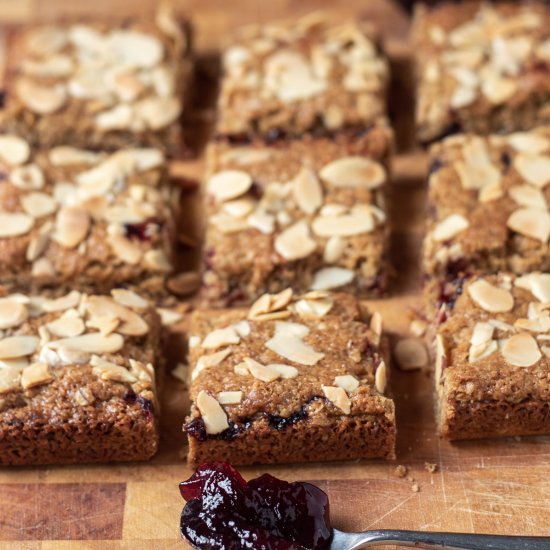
(450,227)
(211,360)
(285,371)
(65,156)
(381,377)
(93,342)
(14,150)
(489,297)
(410,354)
(531,222)
(66,327)
(529,142)
(35,375)
(521,350)
(132,324)
(334,249)
(71,227)
(354,172)
(38,205)
(106,324)
(125,249)
(338,397)
(294,243)
(129,298)
(106,370)
(18,346)
(169,316)
(221,337)
(12,313)
(536,283)
(313,307)
(65,302)
(10,379)
(230,397)
(261,372)
(332,277)
(15,224)
(307,190)
(535,169)
(229,184)
(529,196)
(28,177)
(213,415)
(293,348)
(157,112)
(40,99)
(359,221)
(157,260)
(347,382)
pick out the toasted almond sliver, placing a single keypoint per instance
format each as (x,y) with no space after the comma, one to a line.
(66,327)
(169,316)
(71,227)
(313,308)
(230,397)
(354,172)
(281,300)
(36,375)
(40,99)
(381,377)
(531,222)
(92,342)
(15,224)
(489,297)
(129,298)
(529,196)
(410,354)
(106,324)
(307,190)
(450,227)
(229,184)
(65,156)
(535,169)
(463,96)
(521,350)
(13,347)
(221,337)
(125,249)
(482,333)
(332,277)
(213,415)
(157,260)
(261,372)
(131,323)
(14,150)
(529,142)
(38,204)
(338,397)
(294,349)
(285,371)
(537,283)
(210,360)
(347,382)
(334,249)
(347,225)
(480,351)
(498,89)
(10,379)
(111,371)
(294,242)
(12,313)
(61,304)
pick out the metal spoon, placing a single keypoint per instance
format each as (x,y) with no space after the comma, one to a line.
(418,539)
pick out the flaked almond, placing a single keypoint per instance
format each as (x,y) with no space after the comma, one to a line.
(18,346)
(210,360)
(239,208)
(281,299)
(10,380)
(157,112)
(536,283)
(347,382)
(213,415)
(65,156)
(450,227)
(334,249)
(489,297)
(12,313)
(381,377)
(262,221)
(66,327)
(119,117)
(482,333)
(521,350)
(124,249)
(313,307)
(71,226)
(42,268)
(357,222)
(131,48)
(463,96)
(285,371)
(295,243)
(354,172)
(535,169)
(529,142)
(36,374)
(14,150)
(38,204)
(261,372)
(410,354)
(93,342)
(28,177)
(490,192)
(498,89)
(229,184)
(70,300)
(221,337)
(528,196)
(375,325)
(307,190)
(332,277)
(40,99)
(131,323)
(129,298)
(106,324)
(168,316)
(157,260)
(338,397)
(230,397)
(294,349)
(531,222)
(15,224)
(106,370)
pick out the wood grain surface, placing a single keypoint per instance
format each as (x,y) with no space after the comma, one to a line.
(500,486)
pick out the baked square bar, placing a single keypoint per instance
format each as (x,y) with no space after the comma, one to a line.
(493,357)
(98,84)
(76,218)
(311,74)
(290,379)
(77,382)
(305,213)
(488,204)
(482,67)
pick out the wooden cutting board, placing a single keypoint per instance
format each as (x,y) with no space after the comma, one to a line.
(500,486)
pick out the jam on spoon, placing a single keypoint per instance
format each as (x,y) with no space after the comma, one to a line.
(223,511)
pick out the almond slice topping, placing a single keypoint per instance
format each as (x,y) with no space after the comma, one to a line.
(72,226)
(213,415)
(450,227)
(261,372)
(338,397)
(294,243)
(38,205)
(531,222)
(229,184)
(354,172)
(381,377)
(15,224)
(347,382)
(14,150)
(221,337)
(70,300)
(535,169)
(12,313)
(210,360)
(334,249)
(285,371)
(347,225)
(529,142)
(410,354)
(125,249)
(66,327)
(529,196)
(18,346)
(40,99)
(131,323)
(307,190)
(521,350)
(28,177)
(332,277)
(36,375)
(536,283)
(106,370)
(129,298)
(314,307)
(293,348)
(10,379)
(230,397)
(489,297)
(92,342)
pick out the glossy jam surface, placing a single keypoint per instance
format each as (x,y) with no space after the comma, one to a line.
(223,511)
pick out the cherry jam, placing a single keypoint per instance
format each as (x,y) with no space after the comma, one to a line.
(223,511)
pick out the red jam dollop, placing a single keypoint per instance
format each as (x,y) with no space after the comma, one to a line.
(223,511)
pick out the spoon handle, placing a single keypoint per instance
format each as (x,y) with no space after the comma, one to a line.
(463,541)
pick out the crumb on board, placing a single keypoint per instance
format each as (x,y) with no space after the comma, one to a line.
(430,467)
(415,488)
(400,471)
